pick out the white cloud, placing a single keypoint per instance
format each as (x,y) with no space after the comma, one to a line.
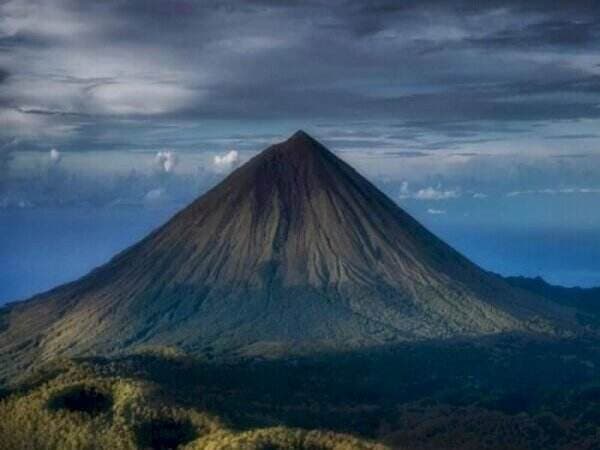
(7,202)
(55,156)
(436,211)
(139,97)
(155,194)
(553,191)
(156,197)
(46,19)
(227,161)
(428,193)
(431,193)
(479,195)
(166,161)
(21,125)
(404,190)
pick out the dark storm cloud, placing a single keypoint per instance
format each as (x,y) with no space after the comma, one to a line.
(4,74)
(477,6)
(460,69)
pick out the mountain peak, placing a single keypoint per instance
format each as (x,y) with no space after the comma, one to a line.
(294,250)
(300,142)
(301,136)
(299,156)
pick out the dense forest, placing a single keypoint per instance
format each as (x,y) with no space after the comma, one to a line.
(495,393)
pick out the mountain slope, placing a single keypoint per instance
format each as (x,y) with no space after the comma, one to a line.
(294,251)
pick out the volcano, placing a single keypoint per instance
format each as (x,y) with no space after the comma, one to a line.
(293,252)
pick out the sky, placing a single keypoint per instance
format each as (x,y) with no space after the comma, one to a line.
(480,118)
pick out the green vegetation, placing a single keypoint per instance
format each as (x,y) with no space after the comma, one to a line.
(507,393)
(85,405)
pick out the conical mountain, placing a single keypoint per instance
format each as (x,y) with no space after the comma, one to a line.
(293,252)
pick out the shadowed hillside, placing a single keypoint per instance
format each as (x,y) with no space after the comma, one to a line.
(585,300)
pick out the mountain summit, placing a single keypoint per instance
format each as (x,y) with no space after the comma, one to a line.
(294,251)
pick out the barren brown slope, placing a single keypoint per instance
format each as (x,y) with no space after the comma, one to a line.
(294,251)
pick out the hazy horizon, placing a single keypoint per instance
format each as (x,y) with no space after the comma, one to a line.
(49,247)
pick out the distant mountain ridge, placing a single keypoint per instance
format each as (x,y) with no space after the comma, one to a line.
(585,300)
(294,251)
